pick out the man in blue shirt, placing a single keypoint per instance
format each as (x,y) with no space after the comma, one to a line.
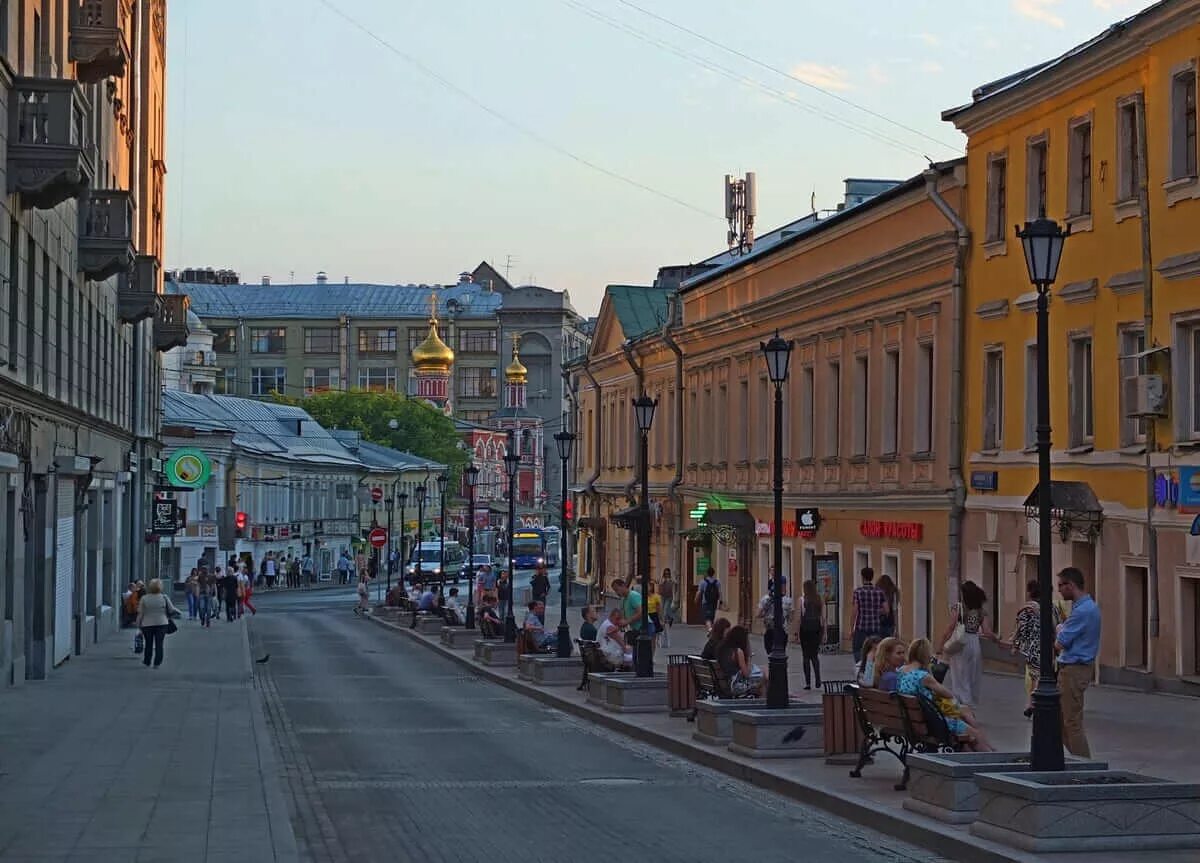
(1077,643)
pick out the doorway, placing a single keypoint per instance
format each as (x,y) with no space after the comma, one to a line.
(922,597)
(1137,623)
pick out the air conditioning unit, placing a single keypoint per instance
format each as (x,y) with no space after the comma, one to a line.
(1144,396)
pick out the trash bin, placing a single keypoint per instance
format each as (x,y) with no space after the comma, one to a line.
(843,734)
(681,689)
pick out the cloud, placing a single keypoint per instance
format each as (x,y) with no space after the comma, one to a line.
(1040,10)
(876,75)
(819,75)
(931,67)
(929,39)
(1109,5)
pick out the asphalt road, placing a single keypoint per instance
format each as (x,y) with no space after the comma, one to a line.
(392,753)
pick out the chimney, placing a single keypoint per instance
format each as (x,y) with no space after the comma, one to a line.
(322,278)
(464,278)
(266,280)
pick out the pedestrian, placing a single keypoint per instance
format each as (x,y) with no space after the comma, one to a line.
(612,643)
(812,632)
(632,619)
(587,630)
(208,586)
(539,585)
(191,589)
(364,592)
(231,595)
(503,589)
(962,647)
(247,592)
(891,613)
(654,609)
(708,594)
(666,589)
(343,567)
(360,563)
(1026,638)
(306,570)
(155,611)
(1077,643)
(868,601)
(271,570)
(485,583)
(452,610)
(139,638)
(766,612)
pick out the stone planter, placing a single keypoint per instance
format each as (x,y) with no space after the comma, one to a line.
(1083,810)
(551,670)
(459,637)
(628,693)
(942,786)
(427,624)
(795,732)
(714,725)
(491,651)
(598,686)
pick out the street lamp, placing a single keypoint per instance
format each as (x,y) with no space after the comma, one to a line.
(1042,241)
(421,491)
(512,463)
(403,498)
(442,481)
(643,410)
(566,442)
(389,505)
(472,473)
(778,353)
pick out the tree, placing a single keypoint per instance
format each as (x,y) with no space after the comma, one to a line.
(419,428)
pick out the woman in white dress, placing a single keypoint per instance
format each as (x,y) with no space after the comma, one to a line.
(965,656)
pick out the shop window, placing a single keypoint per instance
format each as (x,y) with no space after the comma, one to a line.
(922,598)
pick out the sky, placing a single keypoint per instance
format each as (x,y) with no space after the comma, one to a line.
(577,143)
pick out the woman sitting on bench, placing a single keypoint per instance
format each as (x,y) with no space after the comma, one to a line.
(916,679)
(612,644)
(733,655)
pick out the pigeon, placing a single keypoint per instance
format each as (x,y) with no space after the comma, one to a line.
(263,660)
(795,734)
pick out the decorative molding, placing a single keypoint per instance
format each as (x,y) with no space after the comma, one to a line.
(995,248)
(1185,266)
(1079,292)
(992,310)
(1125,283)
(1028,302)
(926,310)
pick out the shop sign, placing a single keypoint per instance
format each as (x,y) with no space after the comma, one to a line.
(985,480)
(188,468)
(269,531)
(911,530)
(284,531)
(165,518)
(296,529)
(762,528)
(808,521)
(1188,496)
(208,531)
(1166,490)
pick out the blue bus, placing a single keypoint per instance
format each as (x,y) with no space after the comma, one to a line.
(529,548)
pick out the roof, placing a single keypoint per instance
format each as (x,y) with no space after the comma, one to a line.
(992,89)
(465,299)
(264,428)
(639,308)
(378,457)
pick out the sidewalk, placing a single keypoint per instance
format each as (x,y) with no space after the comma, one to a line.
(1131,730)
(111,761)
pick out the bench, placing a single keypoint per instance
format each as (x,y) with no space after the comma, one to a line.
(898,724)
(489,629)
(594,660)
(451,617)
(527,644)
(711,682)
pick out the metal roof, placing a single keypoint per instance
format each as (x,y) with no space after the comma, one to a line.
(463,300)
(377,456)
(639,309)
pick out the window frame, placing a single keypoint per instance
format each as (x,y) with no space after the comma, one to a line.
(257,378)
(333,379)
(997,198)
(889,440)
(1080,199)
(1128,149)
(365,373)
(1031,382)
(1081,370)
(275,340)
(230,338)
(1037,158)
(926,385)
(833,417)
(993,398)
(808,391)
(370,336)
(1131,337)
(1183,156)
(462,378)
(469,340)
(309,332)
(860,444)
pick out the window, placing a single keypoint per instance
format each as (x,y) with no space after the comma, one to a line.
(14,292)
(721,424)
(225,340)
(321,380)
(993,399)
(889,445)
(1189,386)
(1137,617)
(477,383)
(1133,342)
(833,419)
(742,419)
(807,414)
(1031,387)
(264,380)
(1035,178)
(226,382)
(1128,153)
(764,410)
(477,341)
(268,340)
(862,385)
(1079,169)
(1183,125)
(923,423)
(415,337)
(379,340)
(1082,419)
(997,198)
(377,379)
(321,340)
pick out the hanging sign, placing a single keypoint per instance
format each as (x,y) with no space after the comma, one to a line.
(164,521)
(188,468)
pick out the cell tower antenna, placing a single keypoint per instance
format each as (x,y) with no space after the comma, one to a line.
(741,206)
(509,260)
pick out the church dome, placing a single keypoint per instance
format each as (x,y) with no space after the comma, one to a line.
(515,372)
(433,355)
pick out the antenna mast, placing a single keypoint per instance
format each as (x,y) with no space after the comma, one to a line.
(741,206)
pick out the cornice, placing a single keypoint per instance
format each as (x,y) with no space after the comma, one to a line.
(1185,266)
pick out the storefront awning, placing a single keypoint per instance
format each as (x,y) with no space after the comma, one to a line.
(630,518)
(738,519)
(1073,507)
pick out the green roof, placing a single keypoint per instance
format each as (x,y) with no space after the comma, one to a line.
(639,309)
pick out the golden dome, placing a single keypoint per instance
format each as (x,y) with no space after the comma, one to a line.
(515,372)
(433,355)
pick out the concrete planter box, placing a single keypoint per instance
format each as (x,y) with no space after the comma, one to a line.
(714,725)
(633,694)
(943,786)
(427,624)
(598,685)
(1087,810)
(794,732)
(550,670)
(491,651)
(459,637)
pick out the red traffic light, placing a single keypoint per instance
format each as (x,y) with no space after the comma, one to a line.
(569,509)
(239,521)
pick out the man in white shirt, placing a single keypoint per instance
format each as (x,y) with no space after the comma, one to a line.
(766,610)
(612,642)
(272,570)
(453,607)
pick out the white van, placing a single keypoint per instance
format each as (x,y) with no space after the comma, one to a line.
(430,555)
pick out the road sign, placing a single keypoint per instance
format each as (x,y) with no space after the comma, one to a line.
(376,494)
(378,537)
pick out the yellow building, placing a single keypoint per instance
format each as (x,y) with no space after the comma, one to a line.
(1066,138)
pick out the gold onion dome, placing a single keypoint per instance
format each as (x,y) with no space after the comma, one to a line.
(515,372)
(433,355)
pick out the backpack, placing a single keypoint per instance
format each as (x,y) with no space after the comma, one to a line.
(712,591)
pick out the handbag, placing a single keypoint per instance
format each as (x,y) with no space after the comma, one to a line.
(171,627)
(954,644)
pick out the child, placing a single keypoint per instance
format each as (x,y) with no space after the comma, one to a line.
(866,667)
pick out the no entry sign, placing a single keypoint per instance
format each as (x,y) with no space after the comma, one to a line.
(378,537)
(377,494)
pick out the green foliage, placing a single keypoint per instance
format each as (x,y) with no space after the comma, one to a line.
(420,429)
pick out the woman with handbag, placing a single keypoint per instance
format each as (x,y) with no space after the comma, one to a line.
(155,613)
(961,644)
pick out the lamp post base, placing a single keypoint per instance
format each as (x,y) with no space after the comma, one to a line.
(1046,742)
(564,641)
(777,679)
(643,657)
(510,629)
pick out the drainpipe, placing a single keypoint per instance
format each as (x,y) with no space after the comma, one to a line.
(673,486)
(627,349)
(1148,329)
(590,482)
(959,488)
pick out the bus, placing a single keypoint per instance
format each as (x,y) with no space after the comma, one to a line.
(529,548)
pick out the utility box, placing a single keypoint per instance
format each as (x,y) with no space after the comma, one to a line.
(1144,396)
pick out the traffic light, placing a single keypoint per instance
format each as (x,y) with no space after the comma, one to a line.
(239,524)
(568,510)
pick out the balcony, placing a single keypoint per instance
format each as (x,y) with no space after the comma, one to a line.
(137,297)
(49,154)
(106,234)
(97,44)
(170,324)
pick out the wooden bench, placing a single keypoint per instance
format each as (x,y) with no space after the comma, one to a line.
(898,724)
(594,660)
(711,682)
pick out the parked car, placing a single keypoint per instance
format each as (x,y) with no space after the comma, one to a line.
(477,562)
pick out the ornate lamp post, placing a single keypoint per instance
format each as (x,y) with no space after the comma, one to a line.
(643,410)
(390,504)
(443,480)
(421,491)
(512,464)
(1042,241)
(402,497)
(566,442)
(472,473)
(778,353)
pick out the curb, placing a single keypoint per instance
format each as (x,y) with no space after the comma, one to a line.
(862,812)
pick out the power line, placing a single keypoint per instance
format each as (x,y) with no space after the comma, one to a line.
(751,59)
(508,121)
